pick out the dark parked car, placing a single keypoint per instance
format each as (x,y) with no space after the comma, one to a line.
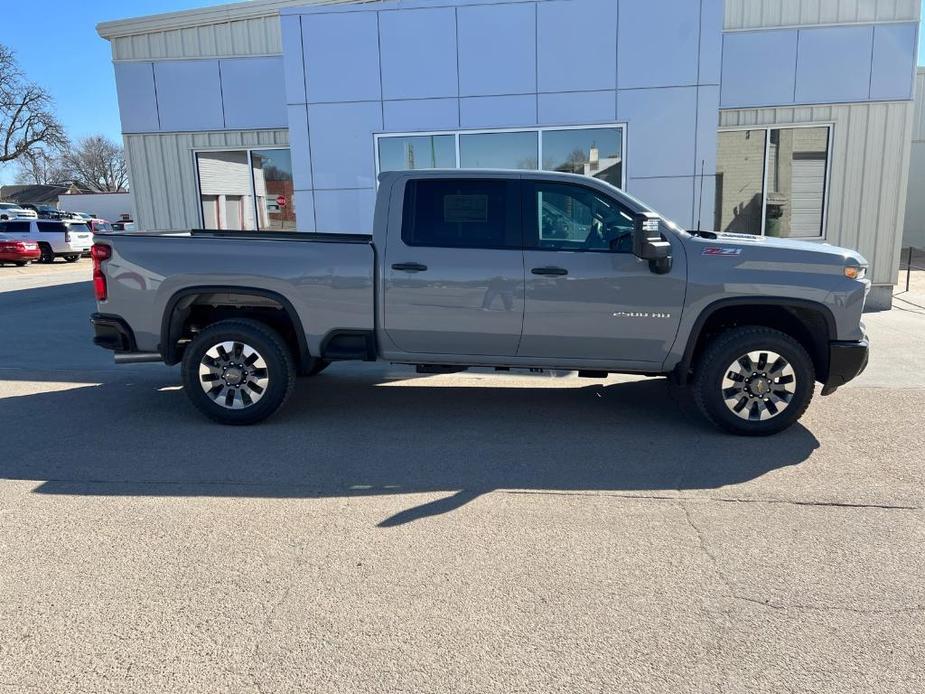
(44,211)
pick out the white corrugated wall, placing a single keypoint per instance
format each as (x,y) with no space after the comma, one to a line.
(766,14)
(164,172)
(914,227)
(255,36)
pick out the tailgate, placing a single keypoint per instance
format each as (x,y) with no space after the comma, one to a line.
(80,239)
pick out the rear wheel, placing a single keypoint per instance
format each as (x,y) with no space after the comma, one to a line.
(48,256)
(754,381)
(22,263)
(72,258)
(238,372)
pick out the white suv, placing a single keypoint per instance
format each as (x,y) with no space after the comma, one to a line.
(10,210)
(56,238)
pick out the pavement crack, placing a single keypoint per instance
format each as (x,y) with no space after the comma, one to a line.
(267,621)
(725,499)
(705,549)
(828,608)
(731,593)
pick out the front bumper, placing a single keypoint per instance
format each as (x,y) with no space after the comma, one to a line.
(113,333)
(846,361)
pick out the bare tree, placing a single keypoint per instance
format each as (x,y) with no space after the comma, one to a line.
(27,119)
(96,163)
(41,167)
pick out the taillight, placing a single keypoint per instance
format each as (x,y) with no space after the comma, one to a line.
(67,237)
(98,253)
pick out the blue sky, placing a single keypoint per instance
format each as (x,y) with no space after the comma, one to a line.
(65,55)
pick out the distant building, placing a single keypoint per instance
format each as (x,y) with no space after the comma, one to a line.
(39,194)
(114,207)
(790,119)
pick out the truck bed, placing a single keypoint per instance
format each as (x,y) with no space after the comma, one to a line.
(326,279)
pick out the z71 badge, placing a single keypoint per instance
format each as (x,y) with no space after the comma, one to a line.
(717,250)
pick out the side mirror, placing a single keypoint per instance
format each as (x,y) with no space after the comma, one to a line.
(648,243)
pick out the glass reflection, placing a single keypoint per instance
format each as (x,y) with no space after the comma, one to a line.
(596,152)
(514,150)
(272,171)
(417,152)
(796,181)
(225,191)
(739,181)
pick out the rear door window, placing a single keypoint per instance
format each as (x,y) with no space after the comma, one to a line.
(52,227)
(15,227)
(461,213)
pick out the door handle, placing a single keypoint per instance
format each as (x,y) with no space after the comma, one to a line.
(549,271)
(409,267)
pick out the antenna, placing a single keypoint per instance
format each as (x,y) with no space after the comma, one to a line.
(700,203)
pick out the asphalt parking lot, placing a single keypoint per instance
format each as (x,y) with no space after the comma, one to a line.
(389,532)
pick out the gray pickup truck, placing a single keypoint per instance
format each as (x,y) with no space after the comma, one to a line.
(503,269)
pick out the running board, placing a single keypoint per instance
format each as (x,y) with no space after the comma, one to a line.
(136,357)
(439,369)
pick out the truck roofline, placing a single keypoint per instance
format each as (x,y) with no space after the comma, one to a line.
(390,178)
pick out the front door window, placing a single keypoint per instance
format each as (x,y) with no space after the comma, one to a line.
(574,218)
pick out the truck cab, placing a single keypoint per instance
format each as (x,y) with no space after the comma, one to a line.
(538,269)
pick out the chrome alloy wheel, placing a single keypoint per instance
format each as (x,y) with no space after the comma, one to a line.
(759,385)
(234,375)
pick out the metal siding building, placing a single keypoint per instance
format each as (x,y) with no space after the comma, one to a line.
(799,113)
(914,230)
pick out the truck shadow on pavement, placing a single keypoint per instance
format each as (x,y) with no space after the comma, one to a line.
(348,433)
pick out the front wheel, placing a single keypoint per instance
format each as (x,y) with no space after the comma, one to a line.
(754,381)
(238,372)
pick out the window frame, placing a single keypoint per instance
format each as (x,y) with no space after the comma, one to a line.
(538,130)
(250,168)
(528,187)
(830,139)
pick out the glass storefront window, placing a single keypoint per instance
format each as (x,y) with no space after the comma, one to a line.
(500,150)
(417,152)
(588,150)
(596,152)
(273,189)
(796,181)
(243,190)
(772,181)
(740,181)
(225,190)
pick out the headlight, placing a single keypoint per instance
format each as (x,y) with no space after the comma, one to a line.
(855,272)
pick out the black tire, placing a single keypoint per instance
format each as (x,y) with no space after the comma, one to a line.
(279,371)
(22,263)
(48,256)
(724,352)
(72,258)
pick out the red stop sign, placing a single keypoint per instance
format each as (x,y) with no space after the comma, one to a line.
(281,200)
